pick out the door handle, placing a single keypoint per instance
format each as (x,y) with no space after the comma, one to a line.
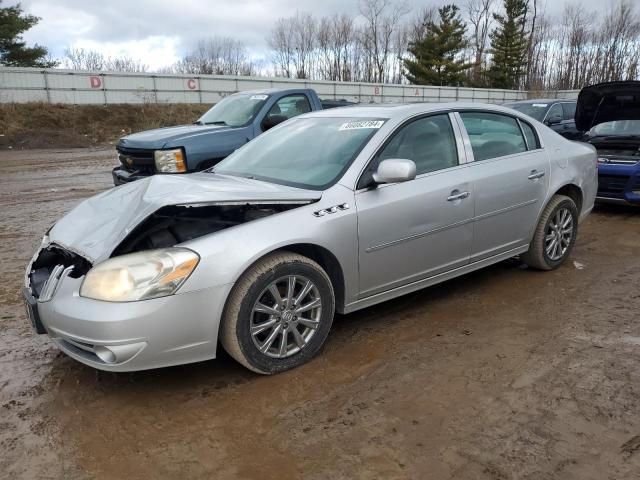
(457,196)
(535,174)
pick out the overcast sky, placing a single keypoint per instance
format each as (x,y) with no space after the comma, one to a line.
(158,32)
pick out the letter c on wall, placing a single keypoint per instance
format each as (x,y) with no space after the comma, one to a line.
(192,84)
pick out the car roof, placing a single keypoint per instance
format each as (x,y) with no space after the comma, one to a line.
(543,100)
(394,110)
(268,91)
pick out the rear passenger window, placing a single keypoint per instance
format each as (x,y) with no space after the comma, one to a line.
(429,142)
(530,135)
(493,135)
(568,110)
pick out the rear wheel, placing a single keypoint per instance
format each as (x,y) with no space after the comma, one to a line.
(278,314)
(555,234)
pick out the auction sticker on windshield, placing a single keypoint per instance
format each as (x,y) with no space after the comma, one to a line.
(540,105)
(258,97)
(362,124)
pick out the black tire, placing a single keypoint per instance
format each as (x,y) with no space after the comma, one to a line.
(537,256)
(235,329)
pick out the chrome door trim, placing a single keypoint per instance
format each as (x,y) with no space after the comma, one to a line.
(426,282)
(504,210)
(457,133)
(466,141)
(416,236)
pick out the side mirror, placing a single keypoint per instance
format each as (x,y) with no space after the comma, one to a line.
(395,170)
(271,121)
(553,120)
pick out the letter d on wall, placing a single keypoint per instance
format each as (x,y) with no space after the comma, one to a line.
(96,82)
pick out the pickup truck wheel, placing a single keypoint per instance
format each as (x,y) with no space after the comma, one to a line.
(555,234)
(279,313)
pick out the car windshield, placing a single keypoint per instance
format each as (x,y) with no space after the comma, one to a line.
(535,110)
(618,127)
(308,153)
(235,111)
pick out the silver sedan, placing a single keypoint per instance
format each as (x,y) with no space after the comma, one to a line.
(330,211)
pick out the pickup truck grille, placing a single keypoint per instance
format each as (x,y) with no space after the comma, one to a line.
(137,160)
(612,183)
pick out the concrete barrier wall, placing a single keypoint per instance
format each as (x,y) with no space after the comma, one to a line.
(22,85)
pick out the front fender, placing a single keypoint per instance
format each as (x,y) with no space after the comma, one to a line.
(227,254)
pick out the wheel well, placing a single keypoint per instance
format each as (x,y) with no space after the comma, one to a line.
(328,262)
(574,193)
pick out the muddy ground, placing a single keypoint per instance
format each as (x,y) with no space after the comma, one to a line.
(506,373)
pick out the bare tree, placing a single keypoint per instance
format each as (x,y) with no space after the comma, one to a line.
(83,59)
(480,16)
(382,18)
(216,56)
(281,42)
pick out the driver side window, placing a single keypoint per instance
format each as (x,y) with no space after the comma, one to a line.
(428,141)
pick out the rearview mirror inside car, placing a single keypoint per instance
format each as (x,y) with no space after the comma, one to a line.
(394,170)
(273,120)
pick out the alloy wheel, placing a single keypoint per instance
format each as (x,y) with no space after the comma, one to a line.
(286,316)
(559,234)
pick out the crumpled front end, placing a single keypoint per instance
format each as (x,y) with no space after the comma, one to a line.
(153,214)
(118,336)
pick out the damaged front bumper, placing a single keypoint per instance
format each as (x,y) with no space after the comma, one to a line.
(128,336)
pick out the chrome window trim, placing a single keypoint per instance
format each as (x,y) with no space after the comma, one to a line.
(466,140)
(457,133)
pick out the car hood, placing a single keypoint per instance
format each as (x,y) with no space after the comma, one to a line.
(607,102)
(160,137)
(97,225)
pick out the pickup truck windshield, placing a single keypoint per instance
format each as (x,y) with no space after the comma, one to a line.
(535,110)
(309,153)
(234,111)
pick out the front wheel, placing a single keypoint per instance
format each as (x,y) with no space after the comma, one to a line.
(279,313)
(555,234)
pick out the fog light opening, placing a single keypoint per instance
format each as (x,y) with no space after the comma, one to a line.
(105,354)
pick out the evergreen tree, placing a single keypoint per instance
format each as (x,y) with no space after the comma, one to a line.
(13,50)
(509,46)
(437,55)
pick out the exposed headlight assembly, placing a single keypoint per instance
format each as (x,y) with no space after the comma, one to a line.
(170,161)
(140,276)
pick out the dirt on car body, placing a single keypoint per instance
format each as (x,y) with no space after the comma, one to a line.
(502,374)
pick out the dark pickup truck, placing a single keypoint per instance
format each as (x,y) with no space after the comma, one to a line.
(225,127)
